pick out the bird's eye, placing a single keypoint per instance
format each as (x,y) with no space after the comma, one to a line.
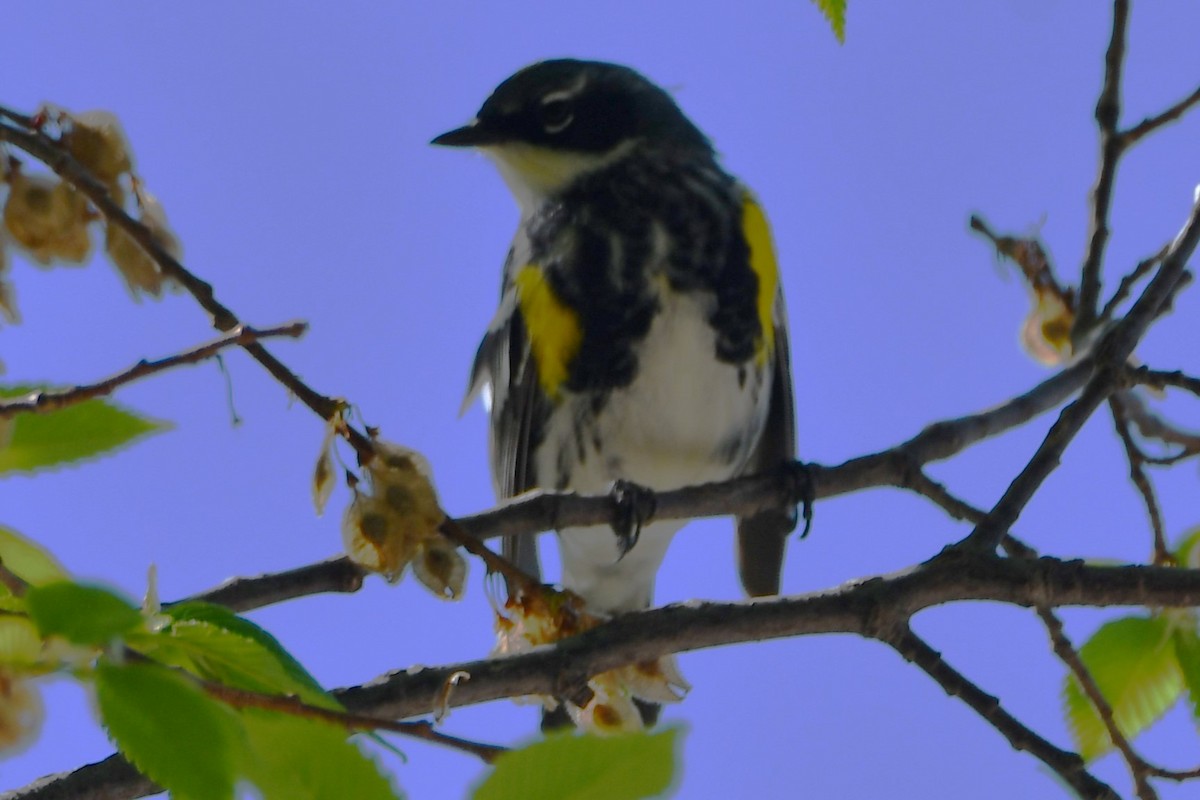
(555,114)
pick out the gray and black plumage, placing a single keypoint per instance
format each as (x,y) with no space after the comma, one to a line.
(641,334)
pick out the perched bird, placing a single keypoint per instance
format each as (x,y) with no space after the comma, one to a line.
(641,337)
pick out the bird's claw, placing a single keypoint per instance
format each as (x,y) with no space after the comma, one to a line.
(802,491)
(633,508)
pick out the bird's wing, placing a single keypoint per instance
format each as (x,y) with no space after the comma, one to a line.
(762,536)
(518,408)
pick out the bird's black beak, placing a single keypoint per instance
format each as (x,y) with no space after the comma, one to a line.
(473,135)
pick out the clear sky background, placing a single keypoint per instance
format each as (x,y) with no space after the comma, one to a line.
(288,145)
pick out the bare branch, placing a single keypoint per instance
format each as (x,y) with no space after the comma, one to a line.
(65,166)
(1151,124)
(338,574)
(1067,653)
(545,511)
(857,607)
(1137,474)
(1111,353)
(53,400)
(1126,285)
(420,729)
(1108,113)
(1160,380)
(1067,765)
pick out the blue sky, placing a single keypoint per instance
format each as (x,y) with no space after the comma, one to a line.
(288,146)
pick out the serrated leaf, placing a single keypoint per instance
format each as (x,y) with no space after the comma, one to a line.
(86,430)
(28,560)
(835,12)
(83,614)
(287,671)
(623,767)
(296,758)
(228,658)
(1187,652)
(1133,663)
(170,730)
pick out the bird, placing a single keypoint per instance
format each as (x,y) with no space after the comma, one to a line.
(641,338)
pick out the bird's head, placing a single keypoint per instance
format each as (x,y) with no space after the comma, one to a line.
(556,120)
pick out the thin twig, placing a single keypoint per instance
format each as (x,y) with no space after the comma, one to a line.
(1137,474)
(1067,653)
(338,574)
(1111,353)
(935,492)
(1126,285)
(419,729)
(1160,379)
(495,562)
(52,400)
(54,156)
(1152,426)
(1174,774)
(1151,124)
(1067,765)
(1108,113)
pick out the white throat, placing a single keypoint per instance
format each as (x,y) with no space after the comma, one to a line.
(534,173)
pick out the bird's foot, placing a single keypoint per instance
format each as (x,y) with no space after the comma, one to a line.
(801,489)
(633,507)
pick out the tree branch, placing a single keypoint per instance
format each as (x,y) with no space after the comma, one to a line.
(1067,765)
(1108,113)
(1126,285)
(1160,379)
(1110,353)
(49,152)
(419,729)
(1151,124)
(1067,653)
(855,608)
(43,401)
(1137,474)
(546,511)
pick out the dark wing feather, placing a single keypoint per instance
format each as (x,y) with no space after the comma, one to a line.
(518,409)
(762,536)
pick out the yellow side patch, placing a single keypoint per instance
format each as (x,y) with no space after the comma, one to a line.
(554,330)
(762,260)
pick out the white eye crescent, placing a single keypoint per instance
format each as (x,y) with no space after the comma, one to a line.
(555,114)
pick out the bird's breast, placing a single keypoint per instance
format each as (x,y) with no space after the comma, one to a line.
(685,418)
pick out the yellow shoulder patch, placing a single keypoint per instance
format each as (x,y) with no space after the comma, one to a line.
(554,329)
(762,260)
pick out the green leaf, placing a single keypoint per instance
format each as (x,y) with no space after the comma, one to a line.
(170,730)
(85,430)
(623,767)
(20,644)
(1187,651)
(272,663)
(1133,663)
(296,758)
(28,560)
(1186,553)
(217,654)
(80,613)
(835,12)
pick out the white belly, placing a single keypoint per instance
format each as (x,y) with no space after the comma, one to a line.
(686,419)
